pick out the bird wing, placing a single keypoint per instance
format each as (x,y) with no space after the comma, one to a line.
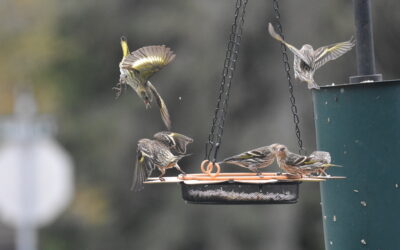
(246,155)
(148,60)
(163,107)
(174,140)
(143,168)
(331,52)
(295,51)
(293,159)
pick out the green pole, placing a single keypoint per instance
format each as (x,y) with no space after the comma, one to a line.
(359,124)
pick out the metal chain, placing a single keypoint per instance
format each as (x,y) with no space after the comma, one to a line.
(285,59)
(231,57)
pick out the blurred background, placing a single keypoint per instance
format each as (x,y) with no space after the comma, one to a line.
(67,54)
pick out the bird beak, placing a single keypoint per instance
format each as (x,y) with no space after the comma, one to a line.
(147,103)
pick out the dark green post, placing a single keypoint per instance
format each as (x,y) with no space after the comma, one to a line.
(359,124)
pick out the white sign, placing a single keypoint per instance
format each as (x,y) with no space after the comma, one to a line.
(36,181)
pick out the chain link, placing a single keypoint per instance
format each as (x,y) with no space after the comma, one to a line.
(231,57)
(286,64)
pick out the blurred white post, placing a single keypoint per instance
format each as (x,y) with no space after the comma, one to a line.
(24,110)
(26,237)
(36,181)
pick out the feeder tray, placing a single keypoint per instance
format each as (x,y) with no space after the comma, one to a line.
(239,188)
(232,192)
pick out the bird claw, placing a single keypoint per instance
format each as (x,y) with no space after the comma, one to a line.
(118,90)
(161,178)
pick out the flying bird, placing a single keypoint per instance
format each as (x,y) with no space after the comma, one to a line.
(254,159)
(152,154)
(176,142)
(136,69)
(307,60)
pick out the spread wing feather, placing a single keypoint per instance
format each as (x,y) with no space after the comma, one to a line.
(332,52)
(148,60)
(175,141)
(295,51)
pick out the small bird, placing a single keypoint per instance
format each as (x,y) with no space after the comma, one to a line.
(307,60)
(295,164)
(322,161)
(152,154)
(137,67)
(254,159)
(176,142)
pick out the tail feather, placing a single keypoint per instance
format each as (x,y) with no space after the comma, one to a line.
(163,107)
(143,169)
(332,165)
(179,157)
(139,176)
(312,85)
(124,45)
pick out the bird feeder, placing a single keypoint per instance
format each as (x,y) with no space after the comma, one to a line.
(238,188)
(210,187)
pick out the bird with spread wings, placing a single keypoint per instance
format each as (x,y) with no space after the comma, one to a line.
(137,67)
(307,60)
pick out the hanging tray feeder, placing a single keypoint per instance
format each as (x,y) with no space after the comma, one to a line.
(211,187)
(238,188)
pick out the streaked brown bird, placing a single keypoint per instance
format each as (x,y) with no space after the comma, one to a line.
(254,159)
(152,154)
(295,164)
(176,142)
(307,60)
(136,69)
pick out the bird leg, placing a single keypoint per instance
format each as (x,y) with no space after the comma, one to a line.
(118,87)
(255,170)
(179,169)
(162,170)
(323,173)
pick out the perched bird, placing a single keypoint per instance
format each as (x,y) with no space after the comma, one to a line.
(152,154)
(307,60)
(320,156)
(322,161)
(176,142)
(254,159)
(295,164)
(137,67)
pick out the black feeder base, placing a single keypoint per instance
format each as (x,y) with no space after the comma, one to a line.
(241,193)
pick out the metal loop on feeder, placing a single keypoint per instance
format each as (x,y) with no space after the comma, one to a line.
(210,167)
